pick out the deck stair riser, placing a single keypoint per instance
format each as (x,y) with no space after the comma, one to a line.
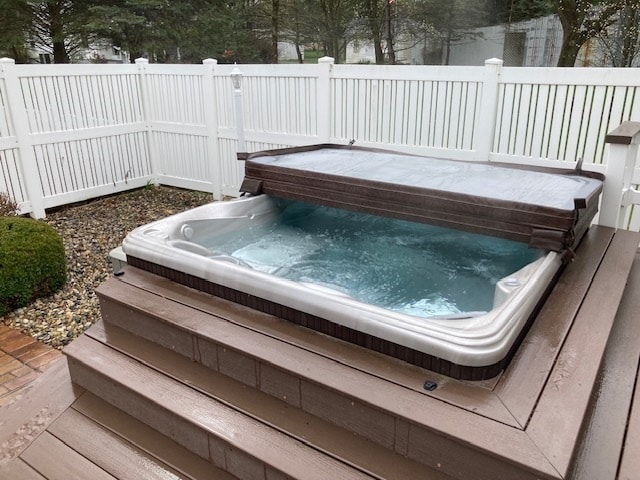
(367,407)
(237,443)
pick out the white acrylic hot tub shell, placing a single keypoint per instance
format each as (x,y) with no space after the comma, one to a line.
(478,341)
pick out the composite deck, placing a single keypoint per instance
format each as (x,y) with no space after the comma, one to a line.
(177,384)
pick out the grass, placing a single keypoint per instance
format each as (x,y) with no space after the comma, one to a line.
(310,56)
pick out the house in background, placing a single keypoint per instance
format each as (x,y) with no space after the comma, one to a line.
(531,43)
(103,52)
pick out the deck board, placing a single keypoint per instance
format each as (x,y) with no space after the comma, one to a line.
(599,455)
(559,415)
(147,439)
(54,460)
(550,328)
(630,462)
(17,469)
(107,450)
(46,398)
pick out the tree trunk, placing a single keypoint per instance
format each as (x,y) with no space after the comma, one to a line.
(60,52)
(390,50)
(275,18)
(56,32)
(299,52)
(571,44)
(447,47)
(630,32)
(377,46)
(298,36)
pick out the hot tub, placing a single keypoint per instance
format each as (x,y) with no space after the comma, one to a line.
(449,300)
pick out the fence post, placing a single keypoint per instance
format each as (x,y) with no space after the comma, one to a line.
(145,92)
(323,102)
(618,194)
(20,125)
(236,80)
(488,108)
(211,122)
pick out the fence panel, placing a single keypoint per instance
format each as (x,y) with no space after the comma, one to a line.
(11,182)
(95,129)
(178,128)
(65,101)
(412,108)
(84,125)
(281,108)
(563,114)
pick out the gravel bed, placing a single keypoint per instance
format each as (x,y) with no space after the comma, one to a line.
(89,232)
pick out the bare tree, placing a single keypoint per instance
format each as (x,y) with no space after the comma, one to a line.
(621,41)
(583,20)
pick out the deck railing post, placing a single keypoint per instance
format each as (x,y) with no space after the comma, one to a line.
(323,102)
(211,121)
(20,125)
(145,92)
(618,194)
(483,140)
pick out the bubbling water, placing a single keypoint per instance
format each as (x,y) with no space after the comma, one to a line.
(407,267)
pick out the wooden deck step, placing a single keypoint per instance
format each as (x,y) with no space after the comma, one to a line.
(370,396)
(92,439)
(322,435)
(235,441)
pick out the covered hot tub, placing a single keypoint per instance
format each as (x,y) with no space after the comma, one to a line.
(439,263)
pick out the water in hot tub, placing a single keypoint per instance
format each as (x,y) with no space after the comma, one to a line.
(407,267)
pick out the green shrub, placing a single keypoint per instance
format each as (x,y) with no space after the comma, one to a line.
(32,262)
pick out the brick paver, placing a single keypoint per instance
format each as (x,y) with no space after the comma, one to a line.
(22,360)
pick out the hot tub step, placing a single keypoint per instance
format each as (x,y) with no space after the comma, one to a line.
(230,439)
(309,374)
(319,434)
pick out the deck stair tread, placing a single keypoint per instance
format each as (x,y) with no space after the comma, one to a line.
(196,420)
(76,447)
(381,411)
(143,441)
(280,343)
(92,439)
(321,434)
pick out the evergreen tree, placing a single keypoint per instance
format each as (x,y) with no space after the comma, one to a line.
(15,27)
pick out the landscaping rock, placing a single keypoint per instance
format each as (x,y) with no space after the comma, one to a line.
(89,232)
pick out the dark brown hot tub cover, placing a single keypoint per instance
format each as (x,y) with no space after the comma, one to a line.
(548,209)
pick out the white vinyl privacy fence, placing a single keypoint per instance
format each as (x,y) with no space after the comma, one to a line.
(73,132)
